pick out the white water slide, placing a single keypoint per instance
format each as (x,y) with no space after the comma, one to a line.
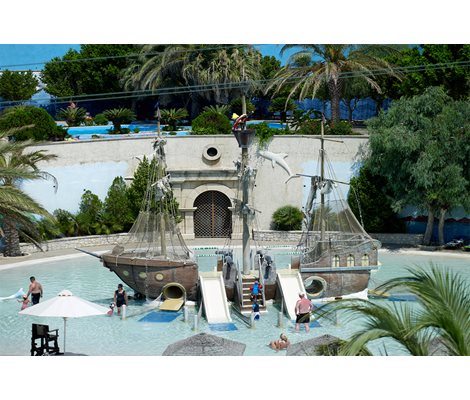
(290,283)
(214,297)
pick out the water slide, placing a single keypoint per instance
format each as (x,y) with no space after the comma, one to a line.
(291,284)
(214,297)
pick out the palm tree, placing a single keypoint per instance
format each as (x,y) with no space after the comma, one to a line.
(214,73)
(443,315)
(74,116)
(119,116)
(333,63)
(172,117)
(16,206)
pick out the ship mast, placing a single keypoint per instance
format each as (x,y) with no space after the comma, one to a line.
(159,175)
(322,178)
(244,138)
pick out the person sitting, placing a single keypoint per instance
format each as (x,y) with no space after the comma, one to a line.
(281,344)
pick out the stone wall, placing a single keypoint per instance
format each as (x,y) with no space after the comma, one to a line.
(402,239)
(73,242)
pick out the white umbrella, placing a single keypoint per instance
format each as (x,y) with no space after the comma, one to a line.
(65,305)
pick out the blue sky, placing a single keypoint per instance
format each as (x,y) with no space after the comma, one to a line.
(13,54)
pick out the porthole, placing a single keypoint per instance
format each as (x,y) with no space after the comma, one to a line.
(314,286)
(142,275)
(159,277)
(125,273)
(211,153)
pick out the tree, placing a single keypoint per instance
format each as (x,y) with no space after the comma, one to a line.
(136,191)
(17,85)
(173,116)
(74,116)
(432,65)
(414,145)
(335,64)
(211,123)
(443,315)
(354,90)
(119,116)
(369,201)
(16,207)
(116,208)
(76,73)
(220,71)
(90,212)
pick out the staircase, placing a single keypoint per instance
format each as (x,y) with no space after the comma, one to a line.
(245,308)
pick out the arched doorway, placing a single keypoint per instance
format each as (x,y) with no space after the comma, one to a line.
(212,218)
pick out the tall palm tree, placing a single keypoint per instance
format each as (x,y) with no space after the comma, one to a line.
(16,206)
(333,63)
(213,73)
(443,314)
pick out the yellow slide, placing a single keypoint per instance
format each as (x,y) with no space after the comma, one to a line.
(172,304)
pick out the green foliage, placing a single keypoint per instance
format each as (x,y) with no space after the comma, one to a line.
(414,147)
(136,130)
(67,79)
(100,119)
(172,117)
(90,211)
(264,133)
(219,108)
(211,123)
(116,209)
(287,218)
(17,85)
(48,229)
(74,116)
(66,222)
(136,191)
(44,127)
(340,128)
(376,212)
(280,104)
(236,106)
(119,116)
(310,127)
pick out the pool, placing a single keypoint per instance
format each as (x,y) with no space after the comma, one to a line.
(86,132)
(113,336)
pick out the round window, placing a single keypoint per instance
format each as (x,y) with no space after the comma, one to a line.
(211,153)
(142,275)
(125,273)
(314,286)
(158,277)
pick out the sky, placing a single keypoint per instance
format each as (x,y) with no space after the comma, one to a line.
(13,55)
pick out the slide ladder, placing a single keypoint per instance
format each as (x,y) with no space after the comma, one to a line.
(214,298)
(290,284)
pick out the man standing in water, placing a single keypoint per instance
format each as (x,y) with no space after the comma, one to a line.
(302,311)
(35,288)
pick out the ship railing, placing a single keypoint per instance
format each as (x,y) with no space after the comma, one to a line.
(261,280)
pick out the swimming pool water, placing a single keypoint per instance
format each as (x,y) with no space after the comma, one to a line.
(84,276)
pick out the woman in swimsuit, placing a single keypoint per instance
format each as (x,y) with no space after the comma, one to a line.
(120,298)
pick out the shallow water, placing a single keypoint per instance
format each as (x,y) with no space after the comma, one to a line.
(84,276)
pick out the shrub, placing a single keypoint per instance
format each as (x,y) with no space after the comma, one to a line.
(264,133)
(211,123)
(278,104)
(44,127)
(340,128)
(136,130)
(310,127)
(221,109)
(100,119)
(74,116)
(287,218)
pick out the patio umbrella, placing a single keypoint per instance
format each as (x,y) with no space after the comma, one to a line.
(65,305)
(204,344)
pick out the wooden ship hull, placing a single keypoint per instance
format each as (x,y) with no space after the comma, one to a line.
(147,277)
(335,274)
